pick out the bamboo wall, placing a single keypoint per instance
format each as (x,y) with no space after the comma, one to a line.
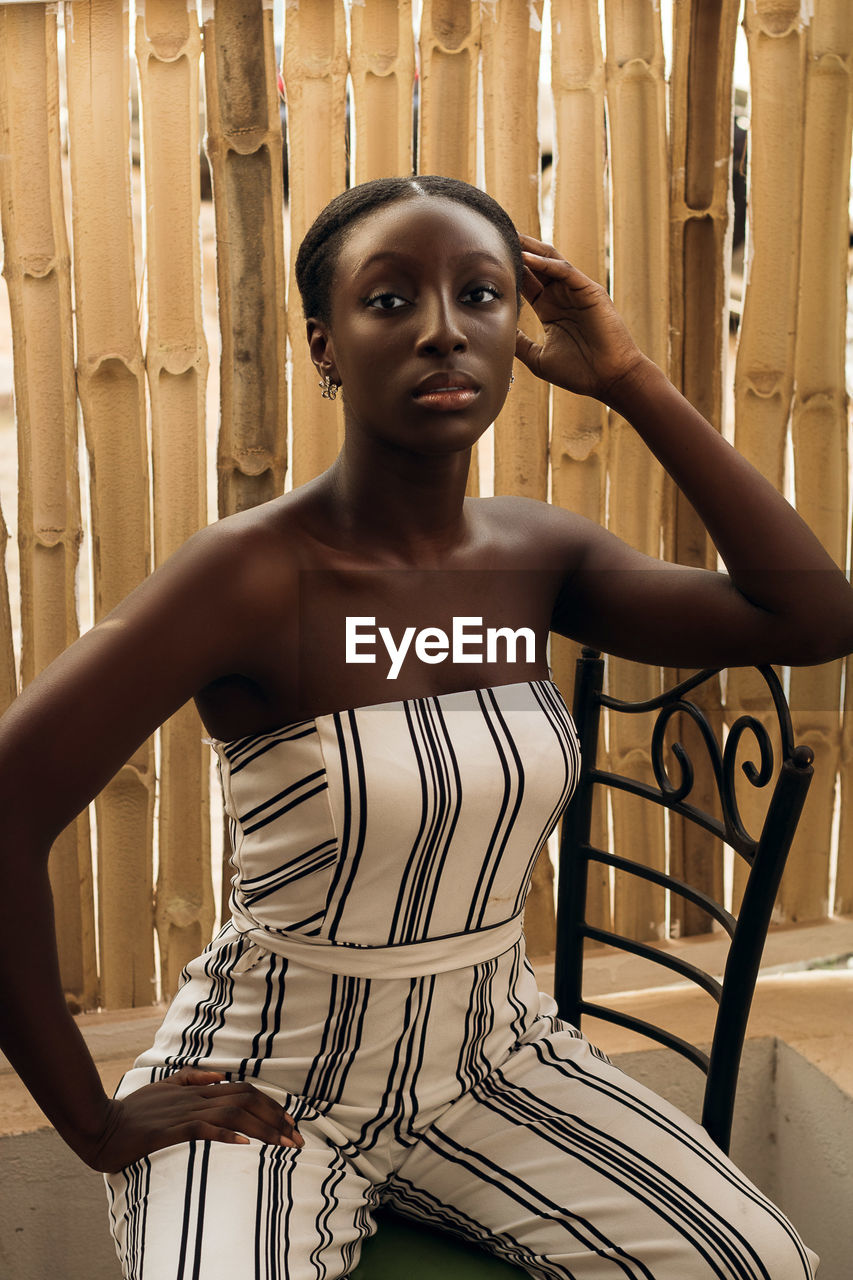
(641,199)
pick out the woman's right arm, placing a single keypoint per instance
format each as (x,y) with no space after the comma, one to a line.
(60,743)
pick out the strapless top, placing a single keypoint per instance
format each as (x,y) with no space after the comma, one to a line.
(399,838)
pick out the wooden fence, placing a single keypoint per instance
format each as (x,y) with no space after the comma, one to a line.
(641,197)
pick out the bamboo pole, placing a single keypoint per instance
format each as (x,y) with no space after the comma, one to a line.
(578,423)
(449,50)
(168,44)
(315,73)
(510,36)
(765,360)
(37,268)
(637,107)
(764,369)
(382,71)
(819,426)
(244,147)
(700,162)
(110,379)
(701,147)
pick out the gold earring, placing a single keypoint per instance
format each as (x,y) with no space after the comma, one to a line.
(329,388)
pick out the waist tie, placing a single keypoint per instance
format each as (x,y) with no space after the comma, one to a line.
(362,960)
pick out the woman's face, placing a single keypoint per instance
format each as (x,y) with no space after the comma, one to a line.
(423,321)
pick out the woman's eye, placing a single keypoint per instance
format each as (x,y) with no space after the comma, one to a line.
(483,293)
(385,301)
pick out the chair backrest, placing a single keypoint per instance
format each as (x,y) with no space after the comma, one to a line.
(765,856)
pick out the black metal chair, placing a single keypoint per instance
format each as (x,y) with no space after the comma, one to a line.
(765,855)
(423,1253)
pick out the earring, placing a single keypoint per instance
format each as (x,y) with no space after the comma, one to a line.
(511,379)
(329,388)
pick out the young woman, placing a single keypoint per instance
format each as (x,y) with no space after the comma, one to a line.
(366,1028)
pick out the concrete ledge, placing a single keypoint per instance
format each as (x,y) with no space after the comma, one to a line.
(114,1040)
(789,948)
(811,1012)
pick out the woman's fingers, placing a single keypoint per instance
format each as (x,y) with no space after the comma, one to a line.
(239,1099)
(191,1104)
(528,351)
(241,1116)
(549,269)
(193,1075)
(554,287)
(531,286)
(213,1086)
(538,246)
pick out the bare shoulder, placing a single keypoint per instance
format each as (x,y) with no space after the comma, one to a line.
(247,563)
(536,532)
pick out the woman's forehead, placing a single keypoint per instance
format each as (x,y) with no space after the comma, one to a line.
(407,228)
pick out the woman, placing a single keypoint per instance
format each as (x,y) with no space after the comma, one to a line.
(366,1027)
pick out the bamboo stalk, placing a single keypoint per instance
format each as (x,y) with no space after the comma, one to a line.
(637,108)
(315,73)
(449,51)
(110,379)
(578,423)
(168,44)
(37,268)
(764,369)
(244,147)
(382,70)
(510,38)
(765,359)
(701,147)
(580,230)
(819,427)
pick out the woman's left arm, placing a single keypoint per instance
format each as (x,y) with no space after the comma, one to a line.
(784,599)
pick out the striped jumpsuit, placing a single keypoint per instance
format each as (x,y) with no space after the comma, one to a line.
(373,980)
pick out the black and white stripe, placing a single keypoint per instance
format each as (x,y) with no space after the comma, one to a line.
(353,828)
(441,801)
(359,827)
(455,1094)
(513,791)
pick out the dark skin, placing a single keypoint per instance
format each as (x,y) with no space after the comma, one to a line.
(248,617)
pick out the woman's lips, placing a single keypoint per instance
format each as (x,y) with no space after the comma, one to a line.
(444,398)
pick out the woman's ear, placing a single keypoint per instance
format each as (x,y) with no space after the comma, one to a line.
(321,349)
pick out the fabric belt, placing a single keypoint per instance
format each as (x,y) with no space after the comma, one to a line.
(406,960)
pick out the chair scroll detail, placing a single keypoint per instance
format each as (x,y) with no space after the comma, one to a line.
(765,855)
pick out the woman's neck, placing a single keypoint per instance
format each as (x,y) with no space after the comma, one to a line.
(406,505)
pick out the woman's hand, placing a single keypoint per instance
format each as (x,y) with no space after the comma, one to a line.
(189,1104)
(587,347)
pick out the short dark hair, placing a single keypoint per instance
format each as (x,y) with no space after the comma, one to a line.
(318,254)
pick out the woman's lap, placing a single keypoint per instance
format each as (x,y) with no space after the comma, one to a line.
(574,1169)
(556,1161)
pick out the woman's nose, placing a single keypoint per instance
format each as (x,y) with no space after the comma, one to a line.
(441,329)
